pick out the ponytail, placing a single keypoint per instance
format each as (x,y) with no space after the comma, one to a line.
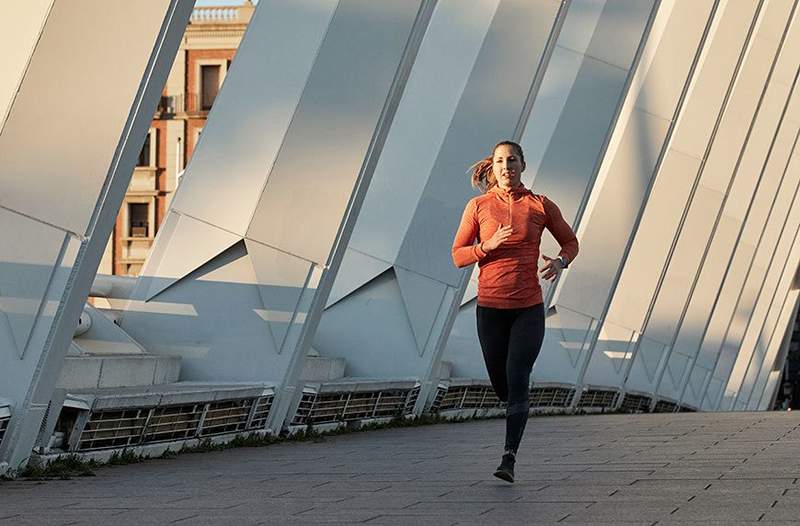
(482,176)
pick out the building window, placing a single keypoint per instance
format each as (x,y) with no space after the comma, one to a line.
(147,155)
(210,80)
(144,154)
(138,215)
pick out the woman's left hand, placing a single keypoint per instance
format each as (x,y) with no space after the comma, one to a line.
(551,268)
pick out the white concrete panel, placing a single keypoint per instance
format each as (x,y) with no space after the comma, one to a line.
(621,23)
(777,239)
(737,326)
(580,25)
(701,297)
(725,305)
(82,159)
(183,252)
(653,240)
(773,381)
(423,299)
(611,354)
(587,285)
(694,388)
(756,340)
(206,318)
(684,265)
(707,93)
(661,88)
(25,274)
(357,269)
(332,128)
(750,198)
(566,343)
(764,387)
(271,81)
(448,51)
(337,337)
(676,369)
(738,116)
(281,279)
(753,162)
(20,27)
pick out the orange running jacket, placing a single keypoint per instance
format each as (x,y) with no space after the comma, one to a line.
(509,276)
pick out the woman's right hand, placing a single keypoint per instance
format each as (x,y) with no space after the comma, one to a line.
(500,236)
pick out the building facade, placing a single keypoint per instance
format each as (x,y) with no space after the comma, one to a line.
(207,49)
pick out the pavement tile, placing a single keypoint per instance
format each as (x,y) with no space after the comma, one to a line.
(710,468)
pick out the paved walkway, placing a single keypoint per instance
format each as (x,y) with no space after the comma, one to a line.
(724,468)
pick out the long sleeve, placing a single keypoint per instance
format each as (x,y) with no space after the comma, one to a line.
(465,252)
(561,231)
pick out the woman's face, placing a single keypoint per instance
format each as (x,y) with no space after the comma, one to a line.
(507,166)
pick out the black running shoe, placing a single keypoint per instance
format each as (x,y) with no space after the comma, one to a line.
(505,470)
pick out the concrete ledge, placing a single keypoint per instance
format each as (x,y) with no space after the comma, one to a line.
(108,371)
(322,369)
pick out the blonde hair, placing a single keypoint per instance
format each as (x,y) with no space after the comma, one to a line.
(482,176)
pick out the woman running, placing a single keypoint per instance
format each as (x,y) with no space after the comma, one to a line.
(507,222)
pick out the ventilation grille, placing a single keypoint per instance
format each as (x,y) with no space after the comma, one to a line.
(122,428)
(665,406)
(227,416)
(304,409)
(411,401)
(326,408)
(261,413)
(436,405)
(469,397)
(598,398)
(3,426)
(551,396)
(633,403)
(117,428)
(173,422)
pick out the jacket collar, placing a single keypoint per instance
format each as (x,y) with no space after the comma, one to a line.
(517,192)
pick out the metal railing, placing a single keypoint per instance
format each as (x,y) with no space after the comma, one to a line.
(223,14)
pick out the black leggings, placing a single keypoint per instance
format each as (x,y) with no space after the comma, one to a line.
(510,340)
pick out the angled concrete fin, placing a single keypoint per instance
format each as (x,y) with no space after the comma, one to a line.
(423,299)
(357,269)
(676,367)
(650,354)
(191,244)
(281,278)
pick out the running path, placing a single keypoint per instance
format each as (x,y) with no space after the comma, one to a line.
(608,469)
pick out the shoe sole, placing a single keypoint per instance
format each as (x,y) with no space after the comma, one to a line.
(504,475)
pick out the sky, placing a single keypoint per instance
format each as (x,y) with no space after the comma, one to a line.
(206,3)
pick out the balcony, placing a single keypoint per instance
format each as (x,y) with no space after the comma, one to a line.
(223,14)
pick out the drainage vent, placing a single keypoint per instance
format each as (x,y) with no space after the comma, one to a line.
(304,409)
(665,406)
(551,396)
(3,426)
(115,428)
(328,408)
(261,413)
(469,397)
(411,401)
(226,416)
(598,398)
(174,422)
(633,403)
(436,405)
